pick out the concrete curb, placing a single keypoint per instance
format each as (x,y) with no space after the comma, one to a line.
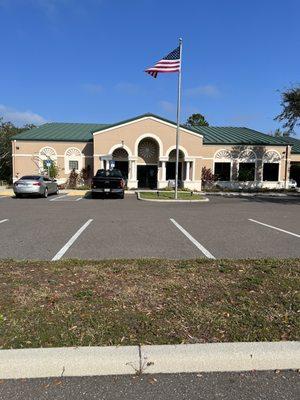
(68,361)
(235,194)
(127,360)
(222,357)
(172,201)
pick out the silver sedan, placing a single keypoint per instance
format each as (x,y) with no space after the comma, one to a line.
(35,184)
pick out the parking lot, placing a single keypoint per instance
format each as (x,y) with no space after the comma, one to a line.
(74,227)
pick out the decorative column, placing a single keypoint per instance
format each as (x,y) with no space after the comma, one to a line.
(187,170)
(133,170)
(161,181)
(132,181)
(163,170)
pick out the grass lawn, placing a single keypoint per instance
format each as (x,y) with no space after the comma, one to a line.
(170,196)
(86,303)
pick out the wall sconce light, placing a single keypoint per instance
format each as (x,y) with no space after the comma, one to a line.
(122,143)
(18,148)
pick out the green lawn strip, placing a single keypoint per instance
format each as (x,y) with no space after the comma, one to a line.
(170,196)
(86,303)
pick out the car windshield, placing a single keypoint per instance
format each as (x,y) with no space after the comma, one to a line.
(114,173)
(30,178)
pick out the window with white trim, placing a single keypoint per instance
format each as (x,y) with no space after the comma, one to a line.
(46,154)
(222,171)
(73,160)
(73,164)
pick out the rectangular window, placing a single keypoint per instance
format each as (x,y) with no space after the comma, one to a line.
(222,171)
(270,172)
(246,172)
(73,165)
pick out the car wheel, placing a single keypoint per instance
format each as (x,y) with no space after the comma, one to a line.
(17,195)
(45,195)
(57,192)
(122,196)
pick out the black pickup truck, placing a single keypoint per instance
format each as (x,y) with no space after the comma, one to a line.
(108,182)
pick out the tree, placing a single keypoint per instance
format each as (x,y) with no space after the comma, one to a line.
(277,133)
(53,170)
(7,131)
(207,177)
(196,120)
(290,101)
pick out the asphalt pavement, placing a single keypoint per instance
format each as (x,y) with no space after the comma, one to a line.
(275,385)
(74,227)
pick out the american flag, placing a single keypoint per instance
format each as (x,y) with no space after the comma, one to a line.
(170,63)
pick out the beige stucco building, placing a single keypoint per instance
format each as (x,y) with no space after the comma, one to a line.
(144,149)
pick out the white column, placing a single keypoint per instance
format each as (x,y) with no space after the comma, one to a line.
(101,164)
(187,170)
(133,170)
(192,163)
(163,170)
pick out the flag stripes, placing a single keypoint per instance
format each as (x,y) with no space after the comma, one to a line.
(170,63)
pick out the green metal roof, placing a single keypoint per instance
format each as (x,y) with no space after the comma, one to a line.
(56,131)
(235,135)
(143,116)
(294,142)
(76,132)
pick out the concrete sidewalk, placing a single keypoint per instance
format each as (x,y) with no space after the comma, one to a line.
(128,360)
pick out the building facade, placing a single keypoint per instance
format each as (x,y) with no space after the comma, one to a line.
(143,148)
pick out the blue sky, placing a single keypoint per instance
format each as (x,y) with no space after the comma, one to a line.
(83,60)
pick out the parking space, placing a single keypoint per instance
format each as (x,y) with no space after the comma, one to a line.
(75,227)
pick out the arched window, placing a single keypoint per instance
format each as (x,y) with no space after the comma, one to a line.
(271,166)
(148,151)
(223,160)
(247,165)
(73,160)
(46,155)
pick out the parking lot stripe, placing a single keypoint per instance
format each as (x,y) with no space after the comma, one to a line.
(63,250)
(57,198)
(274,227)
(193,240)
(4,220)
(80,198)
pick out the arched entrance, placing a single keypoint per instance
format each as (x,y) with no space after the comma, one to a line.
(120,157)
(171,166)
(148,156)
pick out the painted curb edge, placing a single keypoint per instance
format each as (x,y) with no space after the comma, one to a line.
(128,360)
(172,201)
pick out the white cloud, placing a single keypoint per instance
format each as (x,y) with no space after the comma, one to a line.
(205,90)
(167,106)
(127,87)
(20,117)
(93,88)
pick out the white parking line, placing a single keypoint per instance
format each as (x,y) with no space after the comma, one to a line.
(4,220)
(193,240)
(274,227)
(57,198)
(62,251)
(80,198)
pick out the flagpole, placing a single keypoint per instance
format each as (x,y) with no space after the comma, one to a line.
(178,119)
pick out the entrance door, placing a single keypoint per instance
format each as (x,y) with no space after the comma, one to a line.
(123,167)
(147,176)
(171,168)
